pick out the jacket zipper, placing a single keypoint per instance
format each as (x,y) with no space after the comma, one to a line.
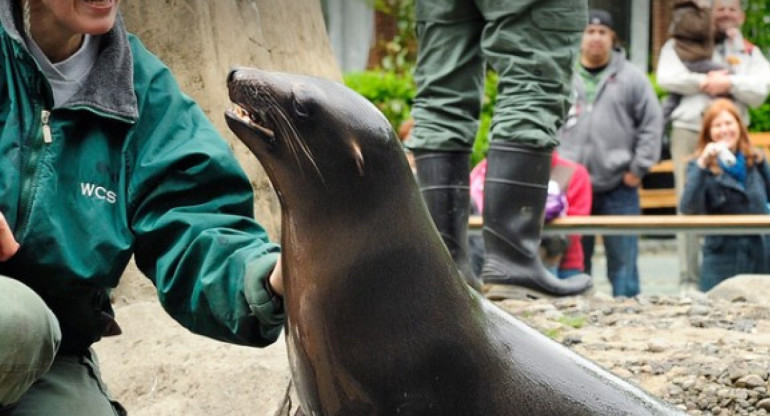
(44,117)
(36,148)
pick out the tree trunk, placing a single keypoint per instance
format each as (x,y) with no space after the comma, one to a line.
(201,39)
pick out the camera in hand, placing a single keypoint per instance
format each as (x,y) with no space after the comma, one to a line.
(725,155)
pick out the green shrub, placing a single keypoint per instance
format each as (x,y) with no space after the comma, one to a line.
(391,93)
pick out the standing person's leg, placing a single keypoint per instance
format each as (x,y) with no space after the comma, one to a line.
(532,45)
(29,339)
(683,144)
(450,78)
(622,251)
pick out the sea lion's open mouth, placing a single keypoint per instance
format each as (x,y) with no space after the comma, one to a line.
(253,120)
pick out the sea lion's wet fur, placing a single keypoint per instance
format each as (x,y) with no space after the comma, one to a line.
(380,322)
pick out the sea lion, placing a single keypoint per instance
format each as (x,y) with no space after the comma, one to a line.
(379,320)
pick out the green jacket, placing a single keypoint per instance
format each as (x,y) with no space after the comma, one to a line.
(128,166)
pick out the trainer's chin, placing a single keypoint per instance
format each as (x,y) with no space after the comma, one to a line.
(97,17)
(98,26)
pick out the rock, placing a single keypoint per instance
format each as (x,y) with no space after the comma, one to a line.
(764,404)
(750,381)
(751,288)
(657,345)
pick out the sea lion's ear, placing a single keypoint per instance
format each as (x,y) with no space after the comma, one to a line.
(359,158)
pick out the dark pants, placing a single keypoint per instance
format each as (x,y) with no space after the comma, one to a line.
(725,256)
(621,251)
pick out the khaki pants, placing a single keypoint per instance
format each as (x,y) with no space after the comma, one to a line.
(683,145)
(34,380)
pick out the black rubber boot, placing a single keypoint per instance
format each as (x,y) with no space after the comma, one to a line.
(444,179)
(515,191)
(8,409)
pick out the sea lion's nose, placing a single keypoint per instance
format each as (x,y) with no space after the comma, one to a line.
(232,74)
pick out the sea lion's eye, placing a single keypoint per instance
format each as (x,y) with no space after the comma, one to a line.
(300,109)
(303,100)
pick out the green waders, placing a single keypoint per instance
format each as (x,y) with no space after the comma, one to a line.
(532,45)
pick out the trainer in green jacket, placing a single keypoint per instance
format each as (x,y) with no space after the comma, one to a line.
(103,157)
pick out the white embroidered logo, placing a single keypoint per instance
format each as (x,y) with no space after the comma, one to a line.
(99,192)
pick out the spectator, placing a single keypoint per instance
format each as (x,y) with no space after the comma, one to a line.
(613,129)
(104,158)
(530,43)
(748,85)
(692,30)
(719,184)
(570,189)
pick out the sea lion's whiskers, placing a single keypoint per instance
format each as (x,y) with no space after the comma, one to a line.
(294,141)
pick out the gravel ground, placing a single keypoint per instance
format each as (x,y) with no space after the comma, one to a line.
(705,355)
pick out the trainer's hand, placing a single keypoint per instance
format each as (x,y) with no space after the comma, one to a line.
(8,244)
(276,279)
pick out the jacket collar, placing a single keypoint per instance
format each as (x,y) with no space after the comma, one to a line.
(109,88)
(728,181)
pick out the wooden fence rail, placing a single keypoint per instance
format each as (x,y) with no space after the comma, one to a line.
(651,224)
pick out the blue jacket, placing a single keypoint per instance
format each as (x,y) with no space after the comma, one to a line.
(706,193)
(127,166)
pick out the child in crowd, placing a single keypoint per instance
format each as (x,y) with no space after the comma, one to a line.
(693,31)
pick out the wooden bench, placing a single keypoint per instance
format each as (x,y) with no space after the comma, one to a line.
(651,224)
(666,197)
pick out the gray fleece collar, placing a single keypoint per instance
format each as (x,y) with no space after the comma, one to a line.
(109,88)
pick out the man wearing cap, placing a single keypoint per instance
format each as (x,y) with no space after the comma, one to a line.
(531,45)
(614,130)
(747,81)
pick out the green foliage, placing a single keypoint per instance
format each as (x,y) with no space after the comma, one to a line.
(757,20)
(660,92)
(390,92)
(401,50)
(760,117)
(481,144)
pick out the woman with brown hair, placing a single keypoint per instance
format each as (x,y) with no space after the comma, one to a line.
(727,175)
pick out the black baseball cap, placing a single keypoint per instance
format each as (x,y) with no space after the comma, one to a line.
(600,17)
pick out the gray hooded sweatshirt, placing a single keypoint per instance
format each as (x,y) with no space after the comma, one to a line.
(620,131)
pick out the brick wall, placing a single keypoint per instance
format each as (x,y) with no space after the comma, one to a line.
(385,30)
(661,18)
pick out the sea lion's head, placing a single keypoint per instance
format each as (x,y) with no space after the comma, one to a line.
(314,137)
